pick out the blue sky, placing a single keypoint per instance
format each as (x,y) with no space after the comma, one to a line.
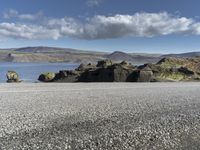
(154,26)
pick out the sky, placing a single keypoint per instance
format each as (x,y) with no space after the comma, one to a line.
(152,26)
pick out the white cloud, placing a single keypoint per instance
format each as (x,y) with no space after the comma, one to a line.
(100,27)
(30,32)
(92,3)
(137,25)
(195,29)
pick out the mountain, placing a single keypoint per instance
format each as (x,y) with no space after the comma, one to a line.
(43,49)
(184,55)
(56,54)
(135,58)
(119,56)
(49,54)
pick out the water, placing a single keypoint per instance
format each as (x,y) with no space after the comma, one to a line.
(29,72)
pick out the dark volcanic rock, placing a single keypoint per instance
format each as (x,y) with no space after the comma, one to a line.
(47,77)
(104,71)
(83,67)
(124,63)
(167,69)
(104,63)
(185,71)
(62,74)
(145,74)
(113,73)
(142,74)
(67,76)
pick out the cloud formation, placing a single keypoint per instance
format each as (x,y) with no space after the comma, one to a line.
(30,32)
(97,27)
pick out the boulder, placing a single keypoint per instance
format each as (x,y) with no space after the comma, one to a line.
(145,73)
(67,76)
(124,63)
(120,73)
(62,74)
(90,66)
(83,67)
(104,63)
(186,71)
(12,76)
(47,77)
(142,74)
(113,73)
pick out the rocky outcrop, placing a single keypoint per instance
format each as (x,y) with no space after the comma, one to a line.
(104,63)
(83,67)
(167,69)
(177,69)
(112,73)
(104,71)
(47,77)
(172,61)
(145,74)
(185,71)
(12,76)
(67,76)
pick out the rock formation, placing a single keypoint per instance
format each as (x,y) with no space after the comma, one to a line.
(104,71)
(47,77)
(12,76)
(167,69)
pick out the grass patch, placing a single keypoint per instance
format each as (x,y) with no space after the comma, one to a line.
(172,76)
(170,65)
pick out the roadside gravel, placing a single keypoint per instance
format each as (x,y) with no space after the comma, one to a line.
(99,116)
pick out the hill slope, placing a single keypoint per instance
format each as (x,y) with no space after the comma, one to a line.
(54,54)
(136,58)
(189,54)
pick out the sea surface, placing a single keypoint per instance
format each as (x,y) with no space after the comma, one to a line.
(29,72)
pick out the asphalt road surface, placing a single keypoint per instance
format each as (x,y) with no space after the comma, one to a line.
(100,116)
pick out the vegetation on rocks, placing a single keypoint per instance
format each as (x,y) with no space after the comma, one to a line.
(167,69)
(47,77)
(12,76)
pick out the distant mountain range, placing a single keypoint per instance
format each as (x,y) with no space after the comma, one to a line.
(189,54)
(135,58)
(56,54)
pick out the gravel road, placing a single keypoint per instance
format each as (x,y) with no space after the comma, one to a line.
(100,116)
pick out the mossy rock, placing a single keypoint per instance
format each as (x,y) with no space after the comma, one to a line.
(12,76)
(172,76)
(47,77)
(171,62)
